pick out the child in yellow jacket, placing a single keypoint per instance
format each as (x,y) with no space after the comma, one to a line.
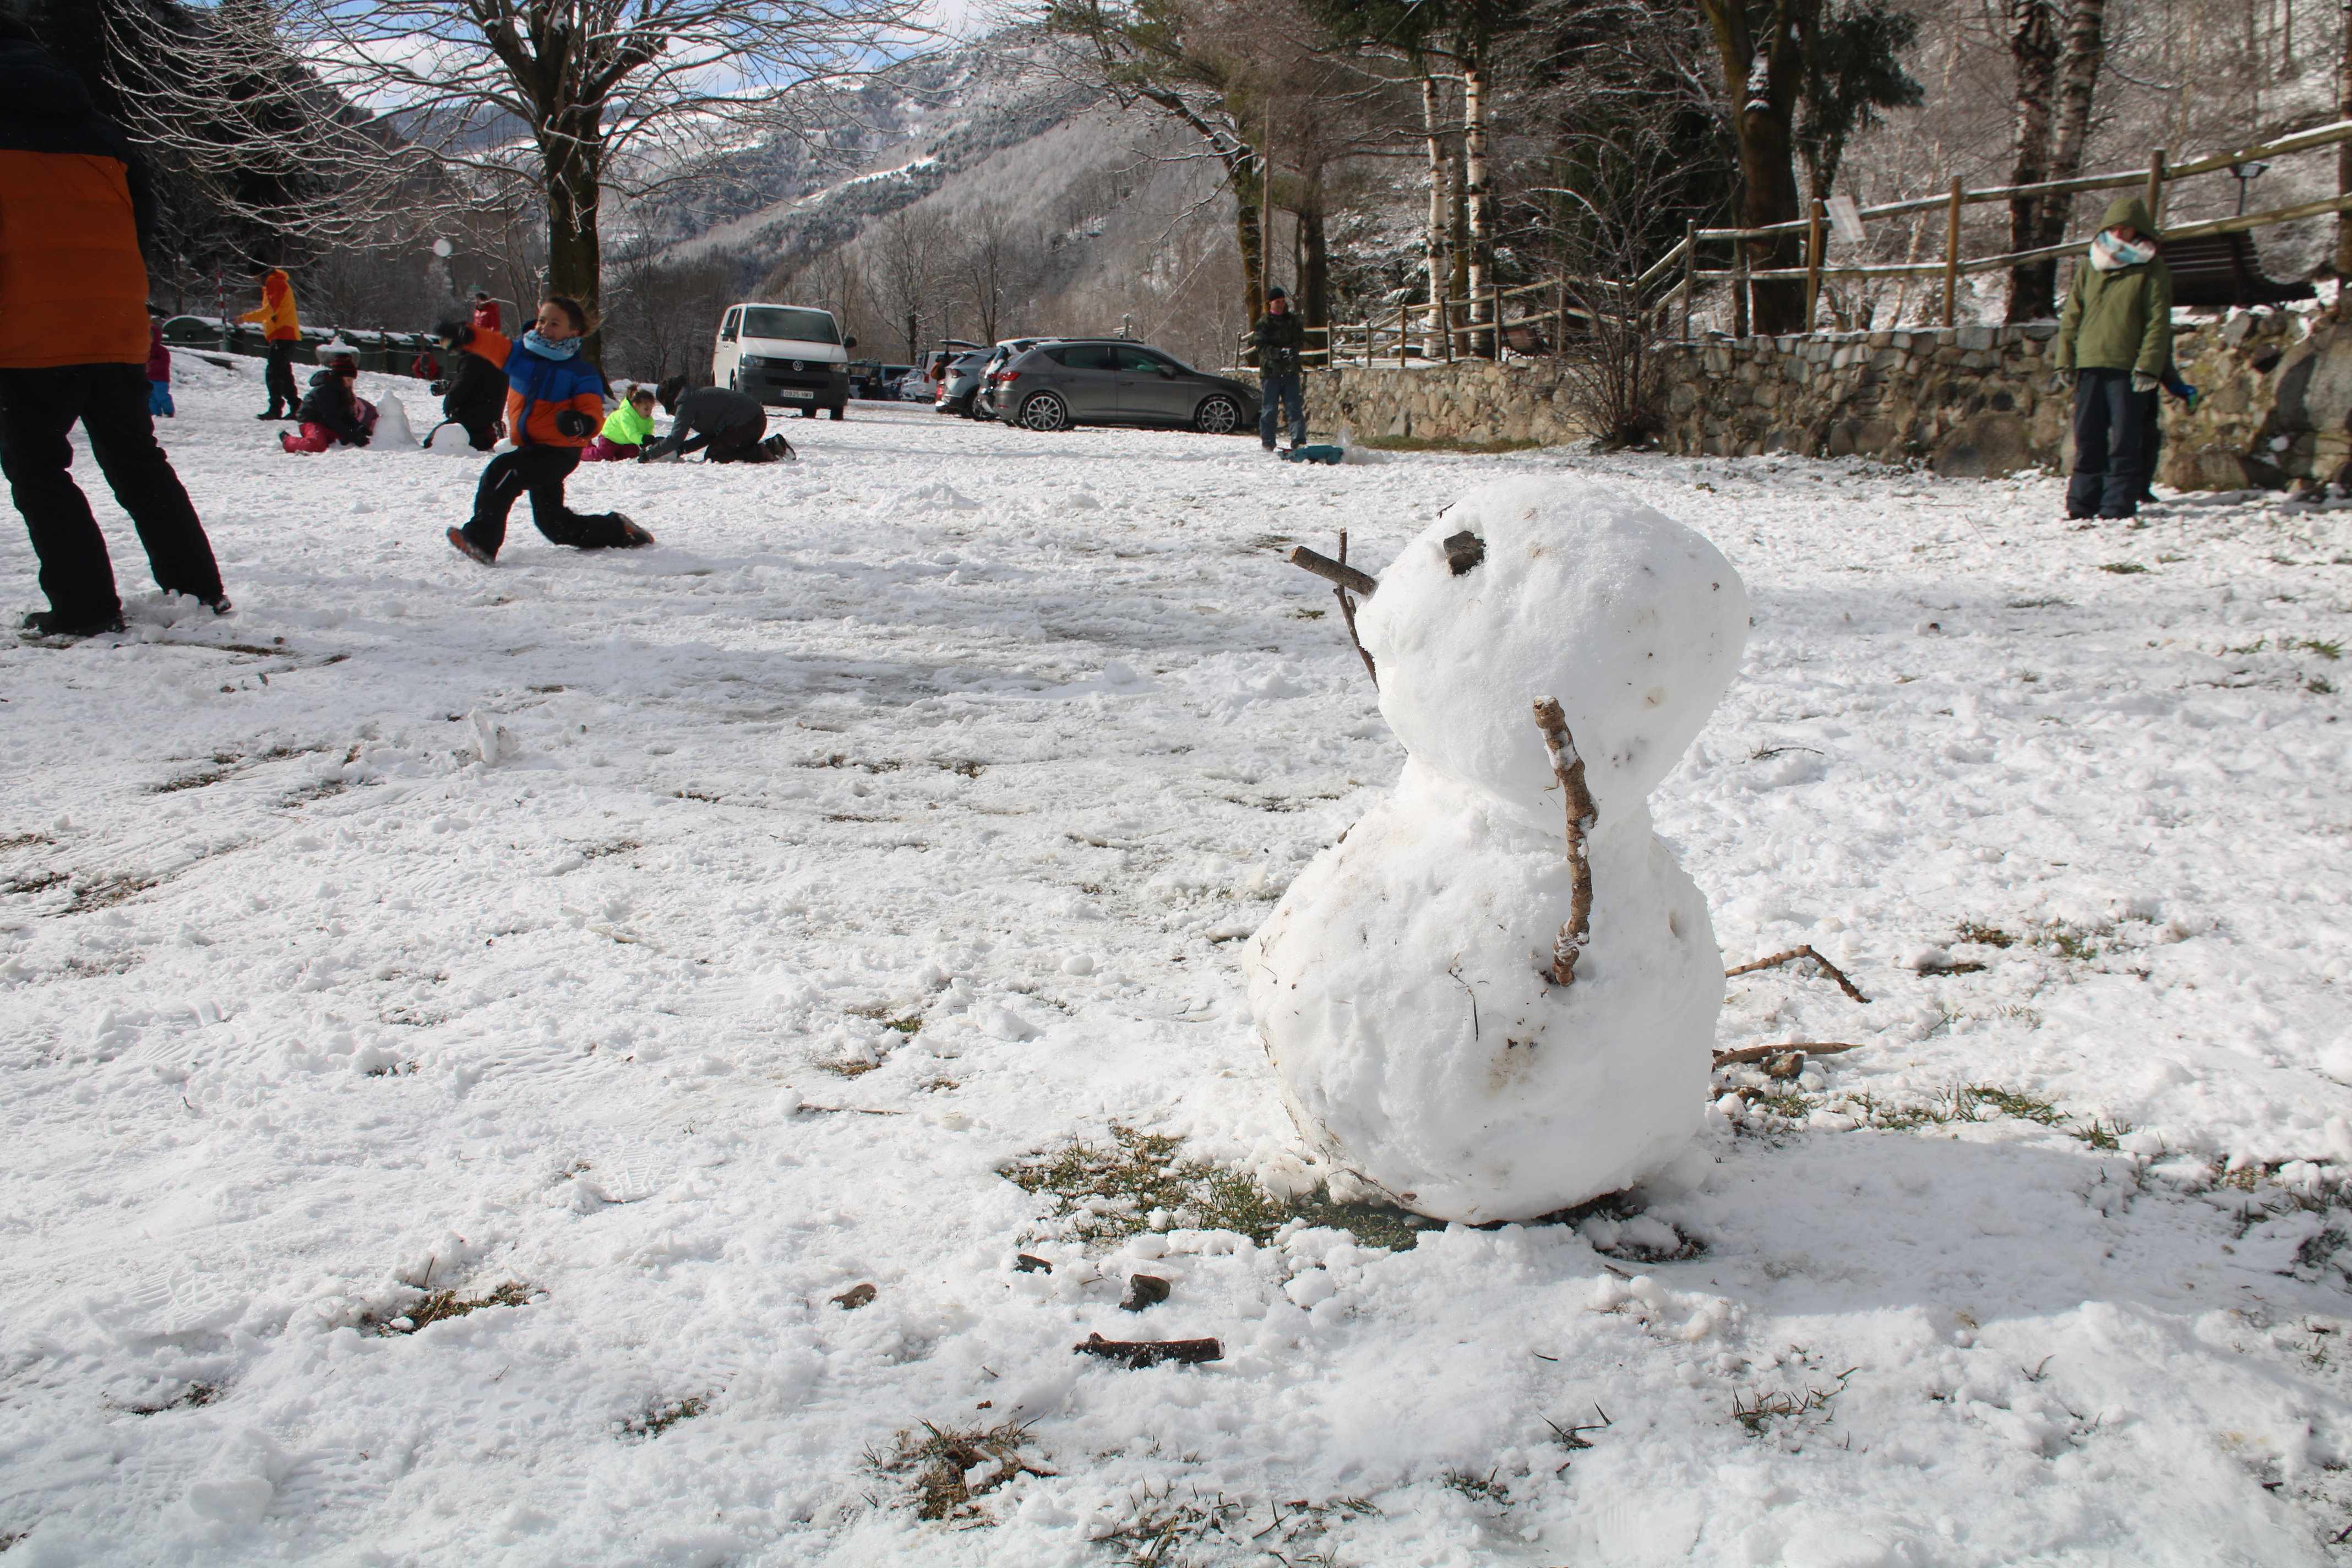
(625,433)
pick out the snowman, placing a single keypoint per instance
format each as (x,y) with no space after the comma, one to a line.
(1496,996)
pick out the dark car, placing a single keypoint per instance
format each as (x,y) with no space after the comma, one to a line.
(1115,381)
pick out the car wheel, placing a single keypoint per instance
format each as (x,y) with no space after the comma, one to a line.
(837,411)
(733,378)
(1217,417)
(1044,411)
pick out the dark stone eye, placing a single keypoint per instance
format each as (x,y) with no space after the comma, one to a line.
(1463,551)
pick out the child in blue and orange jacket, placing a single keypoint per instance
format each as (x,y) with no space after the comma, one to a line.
(554,403)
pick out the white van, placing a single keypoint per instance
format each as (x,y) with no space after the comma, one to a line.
(792,356)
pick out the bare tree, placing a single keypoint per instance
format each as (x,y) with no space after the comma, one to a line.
(559,102)
(915,256)
(997,259)
(2055,82)
(662,317)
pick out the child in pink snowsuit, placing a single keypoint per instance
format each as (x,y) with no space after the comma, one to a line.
(626,431)
(334,412)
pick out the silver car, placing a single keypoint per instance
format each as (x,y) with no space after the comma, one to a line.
(1115,381)
(958,383)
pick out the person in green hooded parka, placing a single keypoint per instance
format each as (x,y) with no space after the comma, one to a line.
(2115,341)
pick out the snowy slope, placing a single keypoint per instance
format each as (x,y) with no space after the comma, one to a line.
(969,752)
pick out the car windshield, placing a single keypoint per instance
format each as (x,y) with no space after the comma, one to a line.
(797,326)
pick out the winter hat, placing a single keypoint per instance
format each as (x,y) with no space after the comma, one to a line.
(340,356)
(1277,293)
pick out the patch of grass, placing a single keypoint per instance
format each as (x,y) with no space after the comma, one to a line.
(652,1424)
(2320,686)
(1447,444)
(2080,943)
(439,1305)
(191,781)
(2047,604)
(847,1069)
(1310,614)
(1271,541)
(2330,651)
(2101,1132)
(935,1465)
(1984,935)
(104,892)
(1111,1192)
(2123,568)
(1783,1404)
(2254,646)
(196,1397)
(38,881)
(912,1023)
(1480,1488)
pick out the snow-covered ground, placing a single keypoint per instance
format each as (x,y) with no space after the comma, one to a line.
(892,824)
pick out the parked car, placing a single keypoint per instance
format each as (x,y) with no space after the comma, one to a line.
(871,381)
(984,401)
(1114,381)
(959,383)
(790,355)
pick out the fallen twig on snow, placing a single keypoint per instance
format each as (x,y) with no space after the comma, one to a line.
(1568,768)
(1832,970)
(1151,1352)
(1747,1054)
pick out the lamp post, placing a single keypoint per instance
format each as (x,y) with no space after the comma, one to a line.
(2246,175)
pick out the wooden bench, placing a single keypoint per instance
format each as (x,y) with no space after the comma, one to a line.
(2216,270)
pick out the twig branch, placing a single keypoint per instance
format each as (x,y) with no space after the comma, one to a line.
(1348,613)
(1568,768)
(1747,1054)
(1832,970)
(1360,583)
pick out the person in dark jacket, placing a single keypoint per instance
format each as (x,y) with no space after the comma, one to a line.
(1280,341)
(333,413)
(729,423)
(74,339)
(2114,338)
(554,403)
(477,394)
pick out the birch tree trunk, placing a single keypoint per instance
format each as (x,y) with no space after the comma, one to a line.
(1441,187)
(2034,46)
(1473,171)
(2344,163)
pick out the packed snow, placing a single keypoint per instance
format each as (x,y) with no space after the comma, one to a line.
(1405,984)
(563,1064)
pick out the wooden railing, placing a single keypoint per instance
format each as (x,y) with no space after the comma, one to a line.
(1441,333)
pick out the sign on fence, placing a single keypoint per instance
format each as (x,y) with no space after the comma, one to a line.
(1846,219)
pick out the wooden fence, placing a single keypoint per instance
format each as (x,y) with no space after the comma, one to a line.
(1465,328)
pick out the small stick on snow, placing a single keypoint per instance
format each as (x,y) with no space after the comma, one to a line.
(1568,768)
(1832,970)
(1360,583)
(1747,1054)
(1151,1352)
(1348,613)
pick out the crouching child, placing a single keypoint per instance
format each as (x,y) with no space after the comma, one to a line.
(332,412)
(554,399)
(626,432)
(723,425)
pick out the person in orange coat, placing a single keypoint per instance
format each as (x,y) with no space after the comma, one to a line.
(73,346)
(555,401)
(281,330)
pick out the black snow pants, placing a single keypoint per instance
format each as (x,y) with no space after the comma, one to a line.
(541,471)
(2110,444)
(277,377)
(38,410)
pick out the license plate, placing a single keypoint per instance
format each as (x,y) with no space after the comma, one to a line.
(800,393)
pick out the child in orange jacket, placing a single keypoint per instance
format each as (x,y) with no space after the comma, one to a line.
(554,403)
(280,329)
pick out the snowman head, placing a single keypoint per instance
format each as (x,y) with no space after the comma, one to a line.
(1554,587)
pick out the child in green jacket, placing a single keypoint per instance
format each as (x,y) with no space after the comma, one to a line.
(2115,343)
(625,431)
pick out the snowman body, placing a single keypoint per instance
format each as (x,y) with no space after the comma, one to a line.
(1403,985)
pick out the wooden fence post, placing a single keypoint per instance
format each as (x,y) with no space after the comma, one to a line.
(2155,189)
(1560,318)
(1952,253)
(1740,303)
(1812,263)
(1690,267)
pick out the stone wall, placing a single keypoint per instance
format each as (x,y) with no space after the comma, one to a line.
(2275,409)
(1469,400)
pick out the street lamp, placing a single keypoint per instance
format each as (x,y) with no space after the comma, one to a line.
(2246,175)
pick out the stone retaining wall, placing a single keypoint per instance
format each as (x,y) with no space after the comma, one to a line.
(2276,405)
